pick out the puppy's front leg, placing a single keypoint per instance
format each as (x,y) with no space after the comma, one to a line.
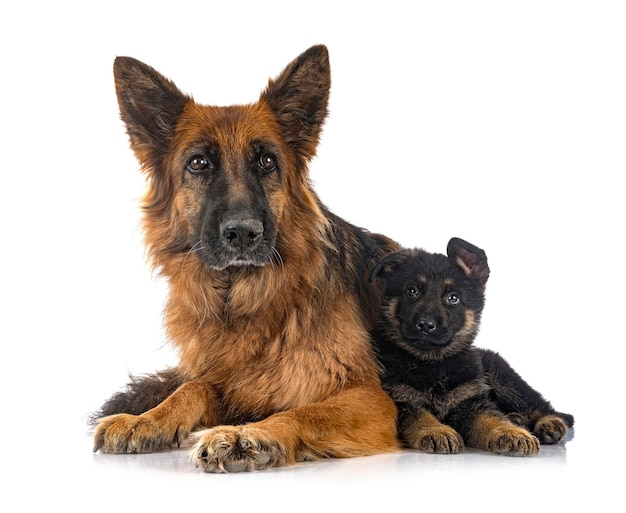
(169,423)
(421,430)
(492,432)
(356,422)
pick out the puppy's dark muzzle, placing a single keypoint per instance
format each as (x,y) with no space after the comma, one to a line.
(427,332)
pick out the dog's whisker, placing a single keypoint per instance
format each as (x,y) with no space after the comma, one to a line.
(277,257)
(194,249)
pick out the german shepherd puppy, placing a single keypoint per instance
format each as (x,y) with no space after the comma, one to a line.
(270,305)
(450,394)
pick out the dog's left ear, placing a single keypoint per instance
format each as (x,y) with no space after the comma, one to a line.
(299,99)
(470,258)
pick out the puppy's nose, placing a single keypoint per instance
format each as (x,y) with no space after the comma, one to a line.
(426,325)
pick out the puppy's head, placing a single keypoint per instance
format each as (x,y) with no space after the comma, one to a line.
(432,302)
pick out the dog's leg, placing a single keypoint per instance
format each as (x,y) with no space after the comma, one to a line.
(549,428)
(423,431)
(169,423)
(491,432)
(357,422)
(522,403)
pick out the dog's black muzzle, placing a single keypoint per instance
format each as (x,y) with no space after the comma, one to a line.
(238,240)
(427,332)
(241,236)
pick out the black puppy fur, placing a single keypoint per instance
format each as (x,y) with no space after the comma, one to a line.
(449,393)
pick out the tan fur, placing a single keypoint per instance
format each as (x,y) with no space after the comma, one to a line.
(430,435)
(497,434)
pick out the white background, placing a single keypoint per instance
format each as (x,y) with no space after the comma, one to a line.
(499,122)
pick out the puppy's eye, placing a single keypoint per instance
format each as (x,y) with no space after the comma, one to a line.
(199,164)
(412,292)
(267,162)
(454,298)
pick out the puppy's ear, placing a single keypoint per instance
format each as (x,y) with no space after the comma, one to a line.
(390,263)
(470,258)
(150,105)
(299,99)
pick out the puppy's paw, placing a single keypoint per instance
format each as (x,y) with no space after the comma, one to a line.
(439,439)
(126,433)
(550,429)
(236,449)
(512,441)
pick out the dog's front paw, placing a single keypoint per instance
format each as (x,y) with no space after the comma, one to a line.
(512,441)
(126,433)
(550,429)
(236,449)
(440,439)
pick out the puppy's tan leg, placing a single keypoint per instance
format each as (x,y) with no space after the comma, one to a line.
(167,424)
(357,422)
(427,434)
(499,435)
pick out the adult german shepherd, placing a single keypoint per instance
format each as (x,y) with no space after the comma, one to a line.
(270,305)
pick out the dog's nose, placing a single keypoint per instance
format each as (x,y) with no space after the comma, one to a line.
(426,325)
(242,233)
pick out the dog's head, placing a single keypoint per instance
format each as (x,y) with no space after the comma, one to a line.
(220,178)
(432,303)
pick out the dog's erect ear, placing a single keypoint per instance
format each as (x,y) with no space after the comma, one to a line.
(390,263)
(470,258)
(150,105)
(299,99)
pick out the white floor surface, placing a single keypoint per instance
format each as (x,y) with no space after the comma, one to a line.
(577,473)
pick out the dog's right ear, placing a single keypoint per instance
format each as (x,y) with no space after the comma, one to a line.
(150,105)
(388,264)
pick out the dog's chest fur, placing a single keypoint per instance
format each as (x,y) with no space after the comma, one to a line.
(259,368)
(438,386)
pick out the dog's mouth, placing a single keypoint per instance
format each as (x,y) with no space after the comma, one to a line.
(437,338)
(237,242)
(219,257)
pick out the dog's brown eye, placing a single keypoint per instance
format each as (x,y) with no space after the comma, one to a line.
(198,164)
(454,298)
(267,162)
(413,292)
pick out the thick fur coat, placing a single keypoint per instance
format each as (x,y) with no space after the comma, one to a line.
(449,393)
(270,304)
